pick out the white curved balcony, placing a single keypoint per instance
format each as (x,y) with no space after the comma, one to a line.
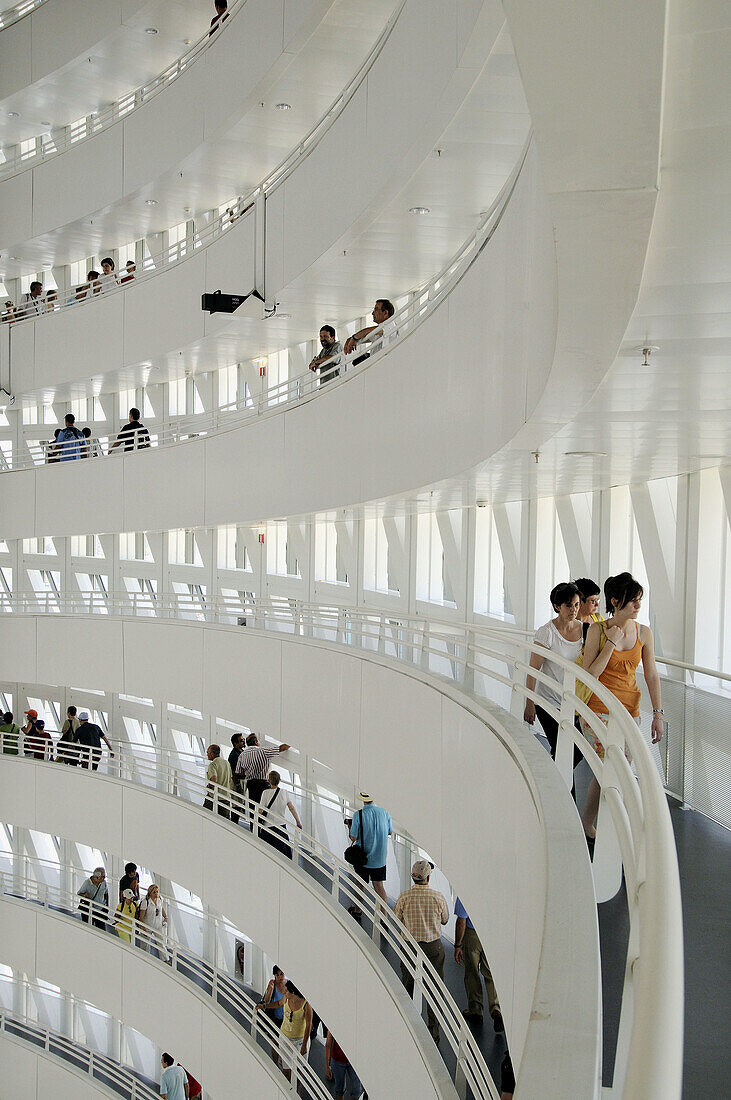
(634,831)
(290,442)
(116,151)
(41,1061)
(536,860)
(45,72)
(288,914)
(149,324)
(229,1001)
(204,966)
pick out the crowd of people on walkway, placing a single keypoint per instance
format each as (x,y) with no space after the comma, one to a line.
(36,302)
(79,744)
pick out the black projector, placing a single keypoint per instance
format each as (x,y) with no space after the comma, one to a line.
(226,303)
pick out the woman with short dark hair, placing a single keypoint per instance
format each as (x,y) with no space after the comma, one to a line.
(561,635)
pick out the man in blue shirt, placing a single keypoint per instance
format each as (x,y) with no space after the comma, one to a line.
(173,1082)
(468,949)
(371,827)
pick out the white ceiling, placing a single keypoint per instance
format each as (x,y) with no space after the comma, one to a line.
(116,65)
(232,165)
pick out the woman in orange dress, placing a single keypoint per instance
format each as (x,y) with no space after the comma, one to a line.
(614,659)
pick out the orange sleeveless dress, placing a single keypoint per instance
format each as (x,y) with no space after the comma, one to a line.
(620,678)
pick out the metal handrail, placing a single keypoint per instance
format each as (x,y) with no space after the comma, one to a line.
(78,1057)
(225,991)
(17,12)
(96,121)
(394,944)
(649,1059)
(300,388)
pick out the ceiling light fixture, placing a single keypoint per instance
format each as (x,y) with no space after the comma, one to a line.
(150,30)
(282,106)
(646,350)
(13,114)
(187,209)
(151,202)
(419,210)
(46,124)
(585,454)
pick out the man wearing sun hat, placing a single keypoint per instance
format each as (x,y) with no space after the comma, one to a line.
(370,828)
(89,737)
(423,911)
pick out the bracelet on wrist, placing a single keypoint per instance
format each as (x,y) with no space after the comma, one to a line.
(658,710)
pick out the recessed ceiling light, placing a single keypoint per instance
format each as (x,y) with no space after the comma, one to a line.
(45,124)
(187,210)
(47,267)
(150,30)
(151,202)
(282,106)
(419,210)
(13,114)
(585,454)
(12,257)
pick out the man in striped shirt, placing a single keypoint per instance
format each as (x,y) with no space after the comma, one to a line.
(252,768)
(423,911)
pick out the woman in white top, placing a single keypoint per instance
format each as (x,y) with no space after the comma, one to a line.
(563,636)
(152,915)
(278,801)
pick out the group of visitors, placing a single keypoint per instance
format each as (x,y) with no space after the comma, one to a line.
(71,443)
(610,649)
(328,360)
(142,922)
(35,303)
(80,742)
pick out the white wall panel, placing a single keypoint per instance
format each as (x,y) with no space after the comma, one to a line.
(62,1084)
(20,1072)
(19,503)
(16,208)
(18,646)
(174,639)
(165,314)
(99,491)
(155,136)
(506,833)
(102,651)
(230,261)
(184,482)
(51,37)
(321,698)
(257,662)
(260,893)
(15,58)
(81,342)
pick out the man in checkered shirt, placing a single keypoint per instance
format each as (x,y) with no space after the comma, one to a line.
(423,911)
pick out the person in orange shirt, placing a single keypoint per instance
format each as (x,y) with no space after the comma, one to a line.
(614,659)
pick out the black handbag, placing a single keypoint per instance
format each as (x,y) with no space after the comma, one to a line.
(356,854)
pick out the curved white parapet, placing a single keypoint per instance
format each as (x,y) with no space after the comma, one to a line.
(38,1062)
(152,318)
(281,910)
(474,393)
(237,1050)
(143,143)
(539,910)
(122,983)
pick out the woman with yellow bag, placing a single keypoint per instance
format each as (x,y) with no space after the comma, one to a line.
(612,653)
(125,915)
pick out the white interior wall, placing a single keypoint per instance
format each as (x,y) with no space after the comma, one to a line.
(354,712)
(30,1074)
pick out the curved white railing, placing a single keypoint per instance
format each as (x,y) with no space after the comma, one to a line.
(492,664)
(204,974)
(421,303)
(342,885)
(17,12)
(113,1077)
(57,142)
